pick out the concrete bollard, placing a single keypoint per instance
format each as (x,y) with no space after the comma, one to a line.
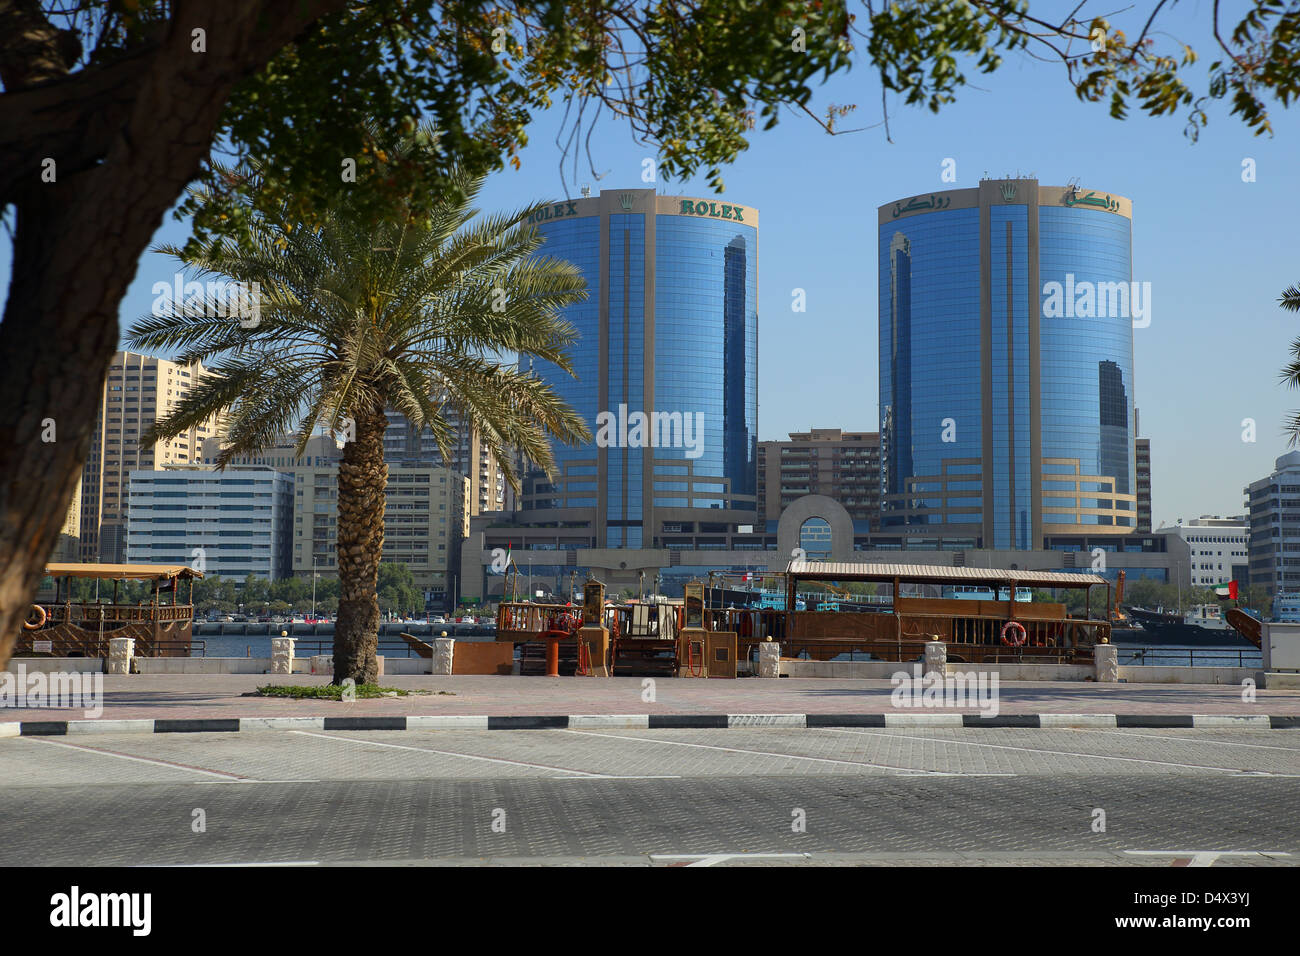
(936,658)
(322,664)
(282,655)
(769,659)
(1106,658)
(443,649)
(120,652)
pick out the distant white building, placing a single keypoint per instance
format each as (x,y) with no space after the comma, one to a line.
(1219,548)
(1274,504)
(237,522)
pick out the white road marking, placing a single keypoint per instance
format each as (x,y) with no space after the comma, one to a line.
(1206,857)
(188,866)
(768,753)
(1056,753)
(709,859)
(227,777)
(641,776)
(452,753)
(1194,740)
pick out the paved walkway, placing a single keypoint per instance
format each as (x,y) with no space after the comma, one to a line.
(221,696)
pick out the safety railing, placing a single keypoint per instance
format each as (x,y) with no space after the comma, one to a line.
(1190,656)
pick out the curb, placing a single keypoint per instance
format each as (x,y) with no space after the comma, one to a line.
(59,728)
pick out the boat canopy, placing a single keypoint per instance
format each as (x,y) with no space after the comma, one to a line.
(116,572)
(804,570)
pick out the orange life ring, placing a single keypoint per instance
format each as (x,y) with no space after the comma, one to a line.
(40,612)
(1013,642)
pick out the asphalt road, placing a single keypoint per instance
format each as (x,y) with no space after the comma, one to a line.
(682,797)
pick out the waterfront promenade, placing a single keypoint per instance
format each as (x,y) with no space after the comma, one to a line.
(223,697)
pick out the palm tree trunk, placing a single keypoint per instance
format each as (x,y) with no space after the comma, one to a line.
(363,476)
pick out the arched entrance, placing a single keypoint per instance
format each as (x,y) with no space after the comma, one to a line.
(816,520)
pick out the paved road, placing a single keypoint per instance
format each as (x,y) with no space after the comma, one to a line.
(653,797)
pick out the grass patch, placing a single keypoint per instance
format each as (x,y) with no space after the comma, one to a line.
(330,691)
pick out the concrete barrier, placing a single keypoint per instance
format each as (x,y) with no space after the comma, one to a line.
(486,657)
(58,665)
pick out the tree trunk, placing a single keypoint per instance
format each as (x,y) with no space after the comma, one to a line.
(363,476)
(123,151)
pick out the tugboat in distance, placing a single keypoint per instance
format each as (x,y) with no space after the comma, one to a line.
(1202,625)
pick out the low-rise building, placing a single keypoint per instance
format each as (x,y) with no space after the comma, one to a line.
(1218,549)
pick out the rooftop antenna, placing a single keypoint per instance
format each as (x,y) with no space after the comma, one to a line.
(586,191)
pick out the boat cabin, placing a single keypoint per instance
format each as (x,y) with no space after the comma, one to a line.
(78,620)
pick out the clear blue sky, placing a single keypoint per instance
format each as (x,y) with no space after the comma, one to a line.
(1217,251)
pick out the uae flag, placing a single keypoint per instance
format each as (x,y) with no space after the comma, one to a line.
(1228,590)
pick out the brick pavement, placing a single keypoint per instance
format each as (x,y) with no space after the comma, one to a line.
(220,697)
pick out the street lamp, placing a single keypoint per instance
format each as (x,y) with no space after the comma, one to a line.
(314,576)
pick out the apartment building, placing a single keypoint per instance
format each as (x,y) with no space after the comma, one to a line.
(139,391)
(841,465)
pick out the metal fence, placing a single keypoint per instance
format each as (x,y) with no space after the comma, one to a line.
(1190,657)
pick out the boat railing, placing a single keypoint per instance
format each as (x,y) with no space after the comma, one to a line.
(82,615)
(516,621)
(758,624)
(985,630)
(748,623)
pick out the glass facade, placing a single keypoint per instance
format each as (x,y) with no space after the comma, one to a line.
(625,361)
(666,360)
(930,406)
(1087,359)
(706,353)
(577,241)
(975,352)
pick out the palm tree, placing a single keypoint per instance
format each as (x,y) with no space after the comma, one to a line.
(369,307)
(1290,300)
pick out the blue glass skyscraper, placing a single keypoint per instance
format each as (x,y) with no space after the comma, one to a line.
(1006,365)
(666,365)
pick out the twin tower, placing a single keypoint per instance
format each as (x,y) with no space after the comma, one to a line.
(1006,316)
